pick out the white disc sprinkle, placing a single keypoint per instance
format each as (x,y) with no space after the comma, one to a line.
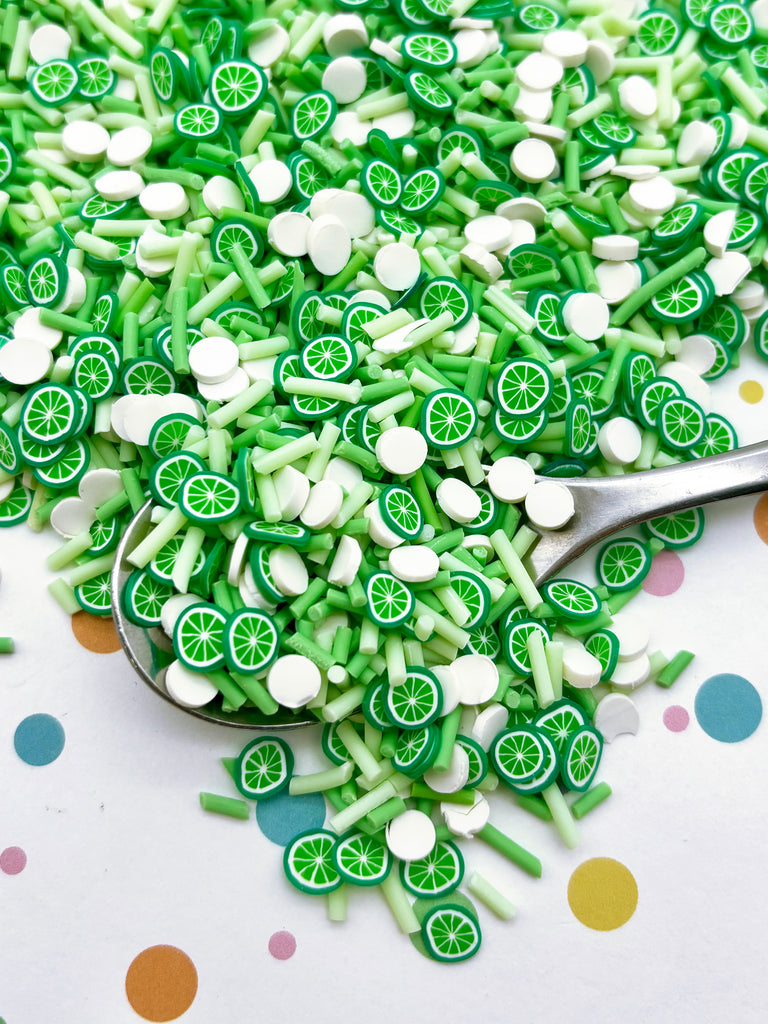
(294,680)
(411,835)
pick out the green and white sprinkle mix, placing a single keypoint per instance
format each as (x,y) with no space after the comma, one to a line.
(329,286)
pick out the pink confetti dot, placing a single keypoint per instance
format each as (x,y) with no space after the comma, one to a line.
(282,945)
(666,575)
(13,860)
(676,718)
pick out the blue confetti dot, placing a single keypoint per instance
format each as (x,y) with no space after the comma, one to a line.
(728,707)
(39,739)
(283,817)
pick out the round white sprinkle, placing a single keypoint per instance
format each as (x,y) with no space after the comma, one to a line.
(521,232)
(533,107)
(655,195)
(477,676)
(458,500)
(190,689)
(172,609)
(164,200)
(236,561)
(345,473)
(269,46)
(691,383)
(85,141)
(617,281)
(488,724)
(567,45)
(414,563)
(74,291)
(272,180)
(214,359)
(98,486)
(638,97)
(586,315)
(523,209)
(287,233)
(455,778)
(345,79)
(227,389)
(717,232)
(329,245)
(619,439)
(697,352)
(128,146)
(71,516)
(346,562)
(580,668)
(615,714)
(397,266)
(292,491)
(481,262)
(632,633)
(615,247)
(538,71)
(49,42)
(491,231)
(511,478)
(119,185)
(323,505)
(398,125)
(344,33)
(697,143)
(600,60)
(549,505)
(401,450)
(352,209)
(631,673)
(25,361)
(728,271)
(471,46)
(220,192)
(294,680)
(466,821)
(379,531)
(411,835)
(140,415)
(348,127)
(288,570)
(533,160)
(465,338)
(27,327)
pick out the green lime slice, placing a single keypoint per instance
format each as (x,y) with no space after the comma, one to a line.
(448,419)
(730,23)
(579,82)
(208,497)
(36,454)
(465,139)
(333,748)
(7,160)
(522,387)
(143,598)
(519,429)
(15,508)
(167,476)
(560,721)
(678,223)
(439,9)
(212,35)
(473,591)
(328,357)
(237,86)
(412,13)
(657,32)
(313,114)
(381,183)
(581,759)
(490,193)
(637,370)
(416,702)
(251,641)
(515,643)
(67,469)
(96,78)
(531,259)
(231,41)
(489,512)
(104,312)
(389,602)
(235,231)
(197,121)
(170,433)
(623,563)
(616,131)
(308,862)
(578,428)
(450,933)
(308,176)
(10,453)
(730,169)
(724,320)
(747,226)
(13,284)
(445,294)
(96,208)
(437,874)
(94,596)
(198,637)
(162,565)
(719,436)
(478,760)
(293,534)
(545,309)
(416,750)
(49,413)
(401,512)
(54,82)
(681,423)
(696,12)
(95,374)
(426,94)
(547,772)
(677,529)
(304,317)
(361,859)
(759,56)
(46,281)
(398,223)
(164,73)
(105,535)
(429,50)
(263,768)
(603,645)
(374,708)
(484,640)
(354,319)
(518,754)
(422,190)
(143,376)
(651,396)
(537,18)
(571,599)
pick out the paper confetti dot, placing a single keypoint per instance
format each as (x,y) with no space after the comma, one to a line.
(161,983)
(39,739)
(760,518)
(282,945)
(751,391)
(666,575)
(676,718)
(95,633)
(13,860)
(602,894)
(728,707)
(283,817)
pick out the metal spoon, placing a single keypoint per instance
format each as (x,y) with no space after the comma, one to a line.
(603,505)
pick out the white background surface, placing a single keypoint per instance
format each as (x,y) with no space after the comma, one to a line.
(120,856)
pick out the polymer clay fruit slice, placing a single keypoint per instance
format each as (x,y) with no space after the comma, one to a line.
(361,859)
(448,418)
(450,933)
(437,874)
(445,294)
(677,529)
(571,598)
(560,721)
(581,759)
(251,641)
(263,768)
(416,702)
(623,563)
(198,637)
(308,862)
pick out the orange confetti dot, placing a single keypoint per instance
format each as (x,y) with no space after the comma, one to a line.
(602,894)
(760,518)
(161,983)
(751,391)
(95,633)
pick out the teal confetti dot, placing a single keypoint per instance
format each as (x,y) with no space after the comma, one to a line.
(728,708)
(39,739)
(283,817)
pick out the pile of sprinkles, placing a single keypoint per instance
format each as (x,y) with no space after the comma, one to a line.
(347,293)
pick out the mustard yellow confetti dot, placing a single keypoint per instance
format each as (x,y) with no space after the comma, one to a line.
(602,894)
(751,391)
